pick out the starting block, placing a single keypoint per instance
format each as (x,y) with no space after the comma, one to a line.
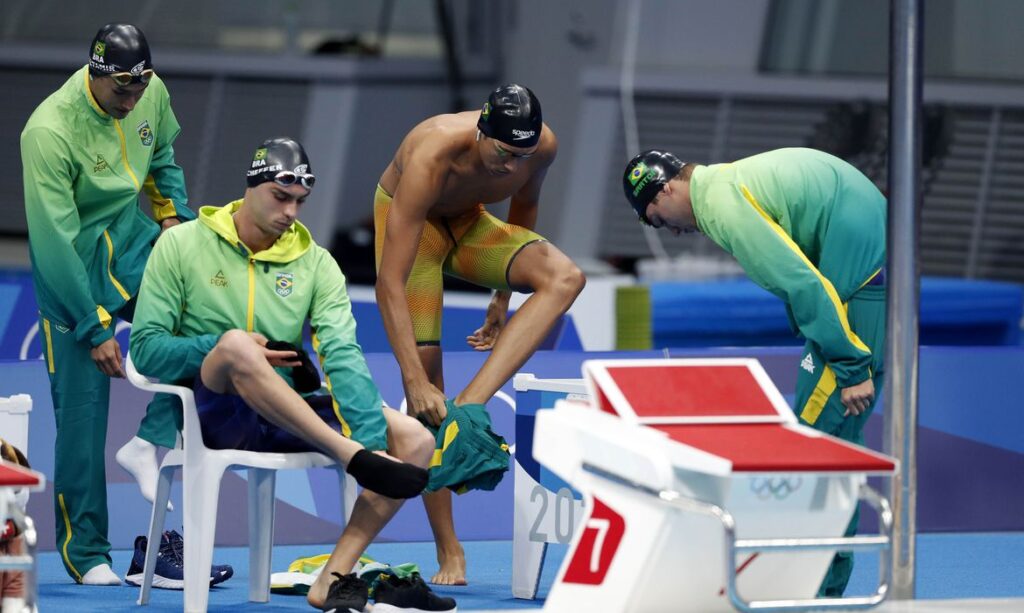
(546,509)
(12,478)
(701,492)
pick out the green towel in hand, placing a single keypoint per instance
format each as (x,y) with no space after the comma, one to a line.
(468,455)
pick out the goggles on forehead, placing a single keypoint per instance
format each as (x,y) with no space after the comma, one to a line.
(287,177)
(504,153)
(127,78)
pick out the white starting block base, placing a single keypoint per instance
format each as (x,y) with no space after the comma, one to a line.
(945,605)
(674,559)
(13,478)
(14,413)
(703,515)
(544,513)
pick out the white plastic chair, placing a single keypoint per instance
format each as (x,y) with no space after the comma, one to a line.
(202,469)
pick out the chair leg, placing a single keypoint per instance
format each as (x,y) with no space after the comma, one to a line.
(261,532)
(201,490)
(156,526)
(349,493)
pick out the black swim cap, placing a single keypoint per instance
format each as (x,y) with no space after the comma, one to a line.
(512,116)
(282,160)
(645,175)
(119,47)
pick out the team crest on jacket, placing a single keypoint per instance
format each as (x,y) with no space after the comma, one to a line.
(283,285)
(145,133)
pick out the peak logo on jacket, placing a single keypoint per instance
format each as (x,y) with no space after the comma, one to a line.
(219,280)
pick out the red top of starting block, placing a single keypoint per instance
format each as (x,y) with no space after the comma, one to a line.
(778,448)
(698,390)
(14,475)
(729,390)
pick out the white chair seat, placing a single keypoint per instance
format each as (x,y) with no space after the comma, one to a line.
(202,469)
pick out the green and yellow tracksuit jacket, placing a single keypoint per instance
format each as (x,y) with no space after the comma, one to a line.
(83,171)
(201,281)
(806,226)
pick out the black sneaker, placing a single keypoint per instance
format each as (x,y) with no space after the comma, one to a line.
(411,595)
(346,594)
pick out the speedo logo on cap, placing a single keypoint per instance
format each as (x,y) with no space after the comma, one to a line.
(522,134)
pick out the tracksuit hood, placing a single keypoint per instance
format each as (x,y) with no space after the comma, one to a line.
(289,247)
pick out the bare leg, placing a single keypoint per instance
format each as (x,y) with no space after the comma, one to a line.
(409,441)
(237,365)
(451,558)
(556,282)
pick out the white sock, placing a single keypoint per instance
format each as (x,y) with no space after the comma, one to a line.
(101,575)
(12,605)
(138,457)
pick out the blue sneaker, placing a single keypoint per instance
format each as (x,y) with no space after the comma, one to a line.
(219,573)
(169,572)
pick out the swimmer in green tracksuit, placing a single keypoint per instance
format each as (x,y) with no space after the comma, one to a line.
(810,228)
(215,292)
(87,151)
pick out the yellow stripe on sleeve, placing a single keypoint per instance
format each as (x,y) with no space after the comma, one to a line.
(104,316)
(163,207)
(819,397)
(829,289)
(346,430)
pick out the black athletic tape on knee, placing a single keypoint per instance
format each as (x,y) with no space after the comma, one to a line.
(387,477)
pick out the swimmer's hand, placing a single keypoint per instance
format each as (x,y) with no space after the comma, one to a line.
(425,402)
(858,398)
(485,336)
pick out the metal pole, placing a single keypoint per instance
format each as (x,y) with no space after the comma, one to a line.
(905,75)
(451,55)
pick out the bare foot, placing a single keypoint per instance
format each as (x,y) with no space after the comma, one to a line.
(318,591)
(453,568)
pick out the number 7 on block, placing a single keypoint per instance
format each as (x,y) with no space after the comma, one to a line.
(596,546)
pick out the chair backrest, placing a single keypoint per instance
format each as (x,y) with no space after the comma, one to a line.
(191,431)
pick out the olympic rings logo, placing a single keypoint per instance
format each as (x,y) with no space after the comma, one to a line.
(775,488)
